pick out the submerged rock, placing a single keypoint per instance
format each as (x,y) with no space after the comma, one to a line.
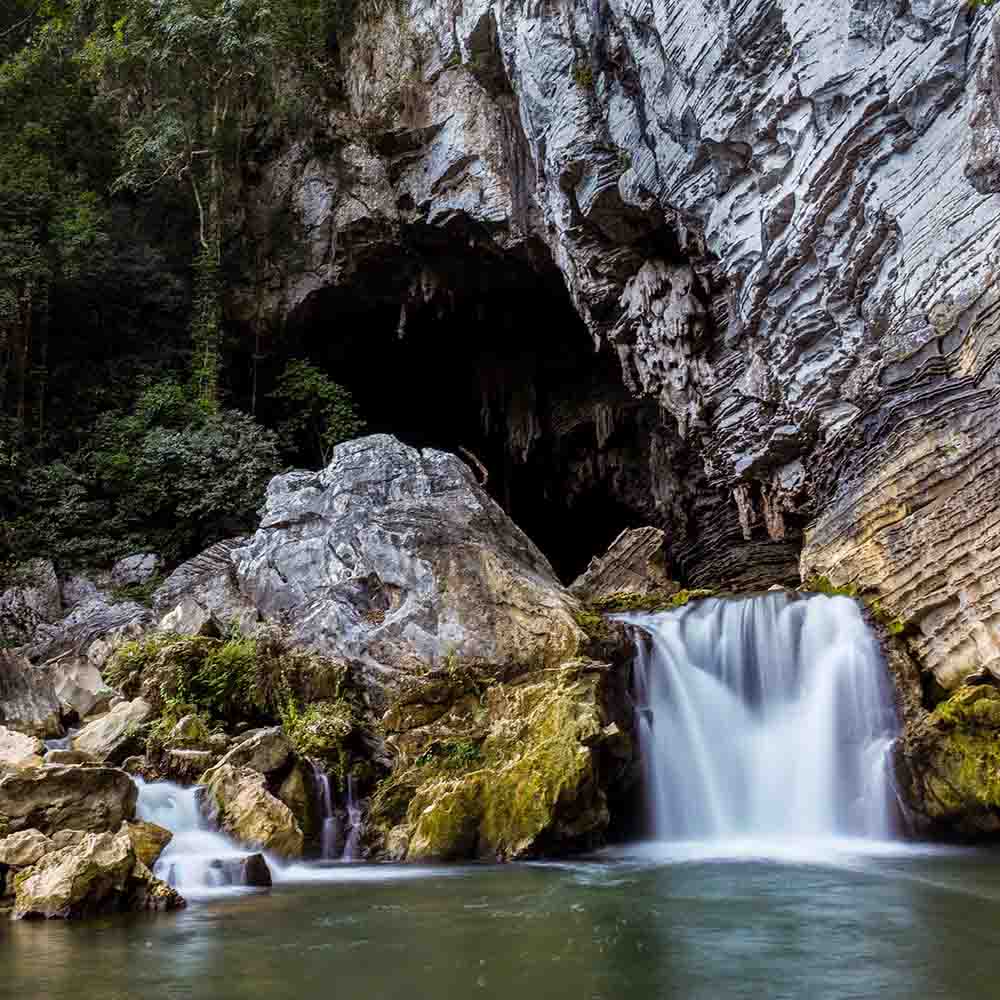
(251,870)
(91,799)
(238,802)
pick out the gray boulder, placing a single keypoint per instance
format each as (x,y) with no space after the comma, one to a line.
(135,569)
(80,688)
(32,599)
(111,736)
(396,558)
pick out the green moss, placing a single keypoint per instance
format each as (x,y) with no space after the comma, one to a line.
(823,585)
(583,74)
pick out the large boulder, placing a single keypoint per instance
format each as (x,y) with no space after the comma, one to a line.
(266,751)
(28,701)
(513,770)
(238,802)
(32,599)
(22,849)
(394,558)
(80,688)
(18,750)
(148,840)
(92,799)
(113,736)
(100,874)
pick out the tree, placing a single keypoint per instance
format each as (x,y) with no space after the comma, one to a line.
(321,413)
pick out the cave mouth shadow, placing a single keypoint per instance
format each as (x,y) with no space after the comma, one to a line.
(504,373)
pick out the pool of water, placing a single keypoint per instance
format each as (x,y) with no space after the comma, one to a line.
(803,921)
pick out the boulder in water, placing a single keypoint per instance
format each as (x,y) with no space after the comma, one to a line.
(113,737)
(148,840)
(18,750)
(92,799)
(100,874)
(251,870)
(238,801)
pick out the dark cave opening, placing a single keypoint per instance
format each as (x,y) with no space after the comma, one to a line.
(494,362)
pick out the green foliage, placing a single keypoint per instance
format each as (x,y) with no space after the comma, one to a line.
(452,755)
(139,593)
(320,413)
(322,732)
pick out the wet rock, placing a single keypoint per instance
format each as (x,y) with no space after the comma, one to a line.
(251,870)
(80,688)
(113,737)
(100,874)
(18,750)
(635,563)
(20,850)
(148,840)
(185,766)
(266,751)
(135,569)
(393,558)
(28,701)
(238,801)
(92,799)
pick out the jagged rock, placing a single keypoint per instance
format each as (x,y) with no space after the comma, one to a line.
(135,569)
(298,794)
(201,596)
(33,599)
(91,629)
(77,590)
(516,771)
(20,850)
(28,701)
(635,563)
(148,840)
(238,801)
(18,750)
(251,870)
(394,558)
(100,874)
(266,751)
(92,799)
(67,838)
(112,736)
(80,688)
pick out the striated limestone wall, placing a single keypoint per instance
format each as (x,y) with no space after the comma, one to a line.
(782,217)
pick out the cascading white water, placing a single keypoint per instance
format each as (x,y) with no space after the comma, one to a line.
(769,717)
(195,859)
(328,830)
(354,823)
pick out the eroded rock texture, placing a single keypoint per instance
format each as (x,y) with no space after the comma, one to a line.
(777,220)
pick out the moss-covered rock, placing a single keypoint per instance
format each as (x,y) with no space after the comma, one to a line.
(949,763)
(514,770)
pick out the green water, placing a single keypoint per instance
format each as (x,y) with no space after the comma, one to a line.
(913,924)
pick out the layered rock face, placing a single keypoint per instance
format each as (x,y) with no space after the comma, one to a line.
(780,218)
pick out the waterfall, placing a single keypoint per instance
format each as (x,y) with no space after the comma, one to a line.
(354,825)
(197,858)
(768,717)
(328,832)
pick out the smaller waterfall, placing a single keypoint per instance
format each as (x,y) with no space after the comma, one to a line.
(329,832)
(354,823)
(196,858)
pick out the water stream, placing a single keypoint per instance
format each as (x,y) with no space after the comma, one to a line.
(328,830)
(769,717)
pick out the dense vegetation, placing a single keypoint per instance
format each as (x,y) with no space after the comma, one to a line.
(132,412)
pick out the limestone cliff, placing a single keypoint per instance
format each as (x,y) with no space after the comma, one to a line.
(777,222)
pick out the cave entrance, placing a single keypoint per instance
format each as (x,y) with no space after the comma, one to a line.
(492,361)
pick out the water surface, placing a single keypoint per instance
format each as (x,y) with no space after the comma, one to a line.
(808,921)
